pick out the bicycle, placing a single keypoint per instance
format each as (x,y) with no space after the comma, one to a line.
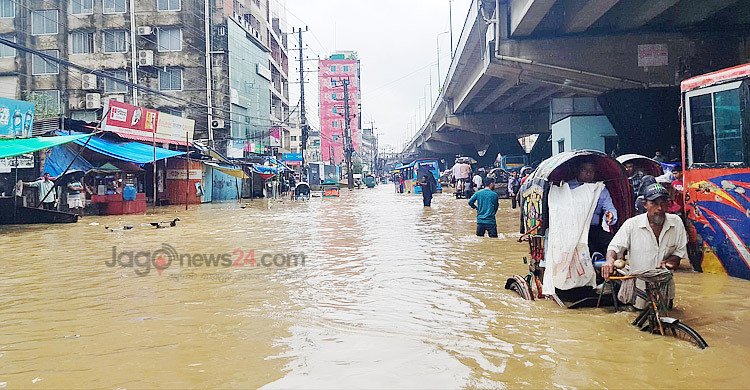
(652,320)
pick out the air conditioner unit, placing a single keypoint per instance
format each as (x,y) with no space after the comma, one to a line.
(217,124)
(145,58)
(119,98)
(145,30)
(93,101)
(88,81)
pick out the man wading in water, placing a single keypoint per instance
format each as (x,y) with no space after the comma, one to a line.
(486,202)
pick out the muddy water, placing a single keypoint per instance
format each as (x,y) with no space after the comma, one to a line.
(389,295)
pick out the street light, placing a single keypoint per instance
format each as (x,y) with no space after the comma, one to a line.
(437,40)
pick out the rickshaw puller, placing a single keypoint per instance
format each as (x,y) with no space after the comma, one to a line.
(605,211)
(655,239)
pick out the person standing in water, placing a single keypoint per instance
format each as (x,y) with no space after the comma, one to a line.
(429,187)
(486,202)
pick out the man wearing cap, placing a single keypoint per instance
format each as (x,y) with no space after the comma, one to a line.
(655,239)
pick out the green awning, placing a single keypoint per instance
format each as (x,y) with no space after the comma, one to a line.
(19,146)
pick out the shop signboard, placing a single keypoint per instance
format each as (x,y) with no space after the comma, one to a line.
(16,118)
(292,158)
(143,124)
(22,161)
(180,174)
(236,148)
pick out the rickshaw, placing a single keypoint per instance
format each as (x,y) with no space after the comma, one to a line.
(501,181)
(370,181)
(535,211)
(646,165)
(302,191)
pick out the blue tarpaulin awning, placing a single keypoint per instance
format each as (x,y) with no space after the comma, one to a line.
(61,157)
(134,152)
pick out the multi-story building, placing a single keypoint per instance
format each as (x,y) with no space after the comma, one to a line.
(369,148)
(158,44)
(332,73)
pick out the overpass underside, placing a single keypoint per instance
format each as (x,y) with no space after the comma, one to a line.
(516,56)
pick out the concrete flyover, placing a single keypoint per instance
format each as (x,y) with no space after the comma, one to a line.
(515,56)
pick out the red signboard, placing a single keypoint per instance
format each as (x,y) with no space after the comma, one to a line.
(143,124)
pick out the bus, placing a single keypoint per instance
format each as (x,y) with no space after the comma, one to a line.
(715,116)
(412,173)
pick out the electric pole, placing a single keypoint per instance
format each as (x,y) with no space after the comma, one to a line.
(302,114)
(348,148)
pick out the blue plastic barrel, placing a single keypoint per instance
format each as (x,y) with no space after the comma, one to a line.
(128,194)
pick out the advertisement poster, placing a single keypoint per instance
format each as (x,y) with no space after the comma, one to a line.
(143,124)
(16,118)
(275,133)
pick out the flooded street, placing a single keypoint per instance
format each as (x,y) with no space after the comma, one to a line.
(388,295)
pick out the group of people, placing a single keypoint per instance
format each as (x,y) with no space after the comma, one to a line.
(47,195)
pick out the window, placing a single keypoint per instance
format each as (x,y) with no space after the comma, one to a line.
(115,41)
(170,39)
(335,110)
(560,146)
(44,22)
(293,138)
(335,137)
(111,85)
(7,9)
(81,42)
(333,68)
(82,7)
(168,5)
(170,79)
(47,102)
(716,129)
(86,116)
(7,51)
(346,68)
(335,123)
(114,6)
(728,126)
(41,66)
(334,83)
(176,111)
(333,96)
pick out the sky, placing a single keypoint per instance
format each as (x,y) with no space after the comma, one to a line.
(397,43)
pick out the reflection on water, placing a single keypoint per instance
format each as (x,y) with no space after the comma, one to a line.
(390,294)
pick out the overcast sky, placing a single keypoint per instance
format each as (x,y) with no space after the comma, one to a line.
(397,45)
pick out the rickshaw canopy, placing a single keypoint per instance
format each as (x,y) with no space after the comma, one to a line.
(648,165)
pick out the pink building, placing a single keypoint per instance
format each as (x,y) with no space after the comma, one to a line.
(331,73)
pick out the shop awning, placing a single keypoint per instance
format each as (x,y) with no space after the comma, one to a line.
(231,170)
(19,146)
(134,152)
(61,157)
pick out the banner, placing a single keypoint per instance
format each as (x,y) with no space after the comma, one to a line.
(143,124)
(292,158)
(275,133)
(16,118)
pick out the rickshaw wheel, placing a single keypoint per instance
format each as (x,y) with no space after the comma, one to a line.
(519,285)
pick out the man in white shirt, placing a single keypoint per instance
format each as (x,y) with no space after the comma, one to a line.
(478,181)
(47,195)
(655,239)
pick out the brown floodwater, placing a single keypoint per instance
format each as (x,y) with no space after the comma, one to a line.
(388,294)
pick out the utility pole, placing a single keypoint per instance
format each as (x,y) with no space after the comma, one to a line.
(302,114)
(348,148)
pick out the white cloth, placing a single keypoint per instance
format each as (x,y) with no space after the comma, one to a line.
(477,181)
(75,201)
(645,253)
(567,258)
